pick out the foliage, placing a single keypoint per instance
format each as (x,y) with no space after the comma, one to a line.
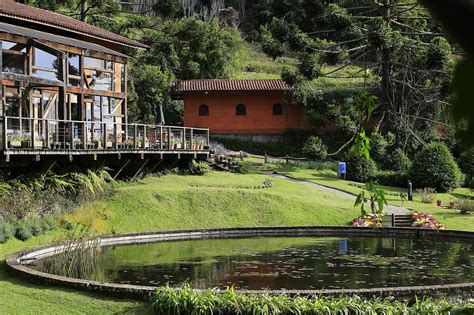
(168,300)
(378,146)
(278,149)
(23,231)
(392,178)
(6,231)
(360,168)
(314,148)
(434,166)
(309,66)
(376,199)
(289,76)
(466,206)
(426,221)
(198,168)
(427,194)
(398,161)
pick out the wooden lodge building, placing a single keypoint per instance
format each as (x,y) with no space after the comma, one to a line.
(255,110)
(63,96)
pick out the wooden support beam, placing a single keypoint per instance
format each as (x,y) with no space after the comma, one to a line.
(156,165)
(122,168)
(140,168)
(47,168)
(36,157)
(174,162)
(71,158)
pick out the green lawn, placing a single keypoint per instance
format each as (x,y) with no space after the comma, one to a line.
(449,217)
(172,202)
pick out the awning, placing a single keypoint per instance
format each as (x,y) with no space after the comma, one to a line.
(22,31)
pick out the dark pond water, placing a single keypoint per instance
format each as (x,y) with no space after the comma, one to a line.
(288,262)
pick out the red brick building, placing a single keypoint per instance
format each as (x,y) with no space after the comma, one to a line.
(239,107)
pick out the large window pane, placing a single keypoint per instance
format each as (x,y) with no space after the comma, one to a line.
(45,61)
(74,70)
(94,63)
(13,63)
(13,46)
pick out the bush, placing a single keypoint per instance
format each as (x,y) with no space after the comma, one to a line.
(314,148)
(360,168)
(48,223)
(398,161)
(6,231)
(378,146)
(427,194)
(466,206)
(35,225)
(272,149)
(392,178)
(23,231)
(434,166)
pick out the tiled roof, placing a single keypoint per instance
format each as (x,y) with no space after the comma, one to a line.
(227,85)
(11,9)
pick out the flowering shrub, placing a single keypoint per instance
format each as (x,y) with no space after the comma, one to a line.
(426,221)
(370,220)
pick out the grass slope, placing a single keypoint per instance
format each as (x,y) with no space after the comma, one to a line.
(451,218)
(171,202)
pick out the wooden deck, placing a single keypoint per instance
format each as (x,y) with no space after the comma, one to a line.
(25,141)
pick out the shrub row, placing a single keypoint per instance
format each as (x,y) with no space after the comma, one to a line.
(26,228)
(273,149)
(433,166)
(187,301)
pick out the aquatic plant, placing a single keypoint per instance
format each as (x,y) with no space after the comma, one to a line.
(77,256)
(185,300)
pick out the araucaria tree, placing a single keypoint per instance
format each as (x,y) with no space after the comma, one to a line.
(396,47)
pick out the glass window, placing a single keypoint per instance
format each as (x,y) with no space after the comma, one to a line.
(94,63)
(14,57)
(45,65)
(240,110)
(74,70)
(203,110)
(277,109)
(12,102)
(13,46)
(13,63)
(44,59)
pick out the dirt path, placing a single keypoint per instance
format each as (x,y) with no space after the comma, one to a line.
(388,209)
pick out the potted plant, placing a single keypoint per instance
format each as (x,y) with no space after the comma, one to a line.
(452,204)
(97,144)
(15,139)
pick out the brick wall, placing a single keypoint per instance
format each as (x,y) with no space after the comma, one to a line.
(259,119)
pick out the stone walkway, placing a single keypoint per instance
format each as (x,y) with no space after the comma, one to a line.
(388,208)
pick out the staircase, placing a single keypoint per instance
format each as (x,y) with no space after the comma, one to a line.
(402,220)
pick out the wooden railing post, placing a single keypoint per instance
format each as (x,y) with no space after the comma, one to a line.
(183,135)
(191,141)
(169,138)
(207,137)
(33,133)
(161,137)
(135,135)
(84,135)
(144,137)
(71,138)
(116,135)
(46,133)
(5,130)
(104,135)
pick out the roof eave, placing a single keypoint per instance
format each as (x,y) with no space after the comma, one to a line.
(137,46)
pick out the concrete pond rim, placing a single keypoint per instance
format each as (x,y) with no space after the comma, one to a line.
(15,262)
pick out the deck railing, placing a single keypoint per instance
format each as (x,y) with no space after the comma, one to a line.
(52,134)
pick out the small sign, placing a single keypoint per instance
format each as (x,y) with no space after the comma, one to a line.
(342,168)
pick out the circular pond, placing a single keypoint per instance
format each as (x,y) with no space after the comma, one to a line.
(335,260)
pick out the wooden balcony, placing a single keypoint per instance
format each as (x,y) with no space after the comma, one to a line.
(50,137)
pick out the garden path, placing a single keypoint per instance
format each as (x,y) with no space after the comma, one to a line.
(388,208)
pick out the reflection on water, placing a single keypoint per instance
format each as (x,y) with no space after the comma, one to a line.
(289,263)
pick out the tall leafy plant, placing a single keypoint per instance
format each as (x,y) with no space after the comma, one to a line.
(372,196)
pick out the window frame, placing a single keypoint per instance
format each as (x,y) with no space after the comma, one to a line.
(277,109)
(240,110)
(203,110)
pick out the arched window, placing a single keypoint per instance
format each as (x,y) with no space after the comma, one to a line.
(277,109)
(240,110)
(203,110)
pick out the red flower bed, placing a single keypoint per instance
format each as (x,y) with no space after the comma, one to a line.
(426,221)
(370,220)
